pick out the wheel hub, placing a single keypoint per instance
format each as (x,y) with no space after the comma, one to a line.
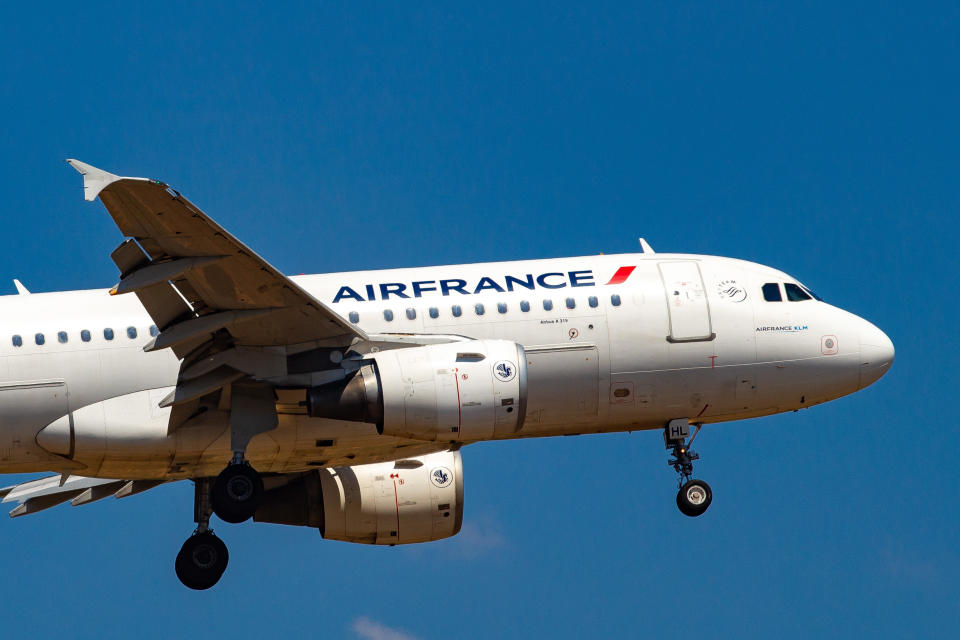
(204,556)
(240,488)
(696,495)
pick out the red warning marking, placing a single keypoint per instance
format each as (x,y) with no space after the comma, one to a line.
(456,379)
(621,275)
(396,499)
(713,362)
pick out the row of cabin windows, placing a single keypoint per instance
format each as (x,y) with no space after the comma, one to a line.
(795,293)
(479,309)
(85,336)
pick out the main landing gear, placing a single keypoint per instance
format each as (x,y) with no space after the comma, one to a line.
(236,492)
(694,496)
(234,496)
(238,489)
(203,557)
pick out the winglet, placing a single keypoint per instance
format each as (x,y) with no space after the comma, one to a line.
(646,248)
(22,290)
(95,180)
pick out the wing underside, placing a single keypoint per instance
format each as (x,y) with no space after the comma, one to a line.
(43,493)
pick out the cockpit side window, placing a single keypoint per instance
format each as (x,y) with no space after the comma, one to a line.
(771,292)
(812,293)
(795,293)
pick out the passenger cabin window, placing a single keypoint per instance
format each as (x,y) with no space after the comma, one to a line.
(131,332)
(108,334)
(62,337)
(154,331)
(411,313)
(524,306)
(39,339)
(388,315)
(85,335)
(478,308)
(615,300)
(593,302)
(354,317)
(795,293)
(456,311)
(17,341)
(434,312)
(548,305)
(571,303)
(502,307)
(771,292)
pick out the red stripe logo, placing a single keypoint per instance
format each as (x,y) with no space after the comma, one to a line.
(621,275)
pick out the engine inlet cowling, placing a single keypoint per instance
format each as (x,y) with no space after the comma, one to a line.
(415,500)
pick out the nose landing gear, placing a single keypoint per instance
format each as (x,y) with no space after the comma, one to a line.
(694,496)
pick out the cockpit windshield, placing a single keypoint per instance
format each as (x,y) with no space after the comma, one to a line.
(795,292)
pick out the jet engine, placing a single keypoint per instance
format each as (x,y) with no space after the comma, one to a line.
(414,500)
(458,391)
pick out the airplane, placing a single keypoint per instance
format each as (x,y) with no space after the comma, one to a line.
(341,401)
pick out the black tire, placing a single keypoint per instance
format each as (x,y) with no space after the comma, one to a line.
(202,560)
(236,493)
(694,497)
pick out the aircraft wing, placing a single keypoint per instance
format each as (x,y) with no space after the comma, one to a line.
(37,495)
(196,279)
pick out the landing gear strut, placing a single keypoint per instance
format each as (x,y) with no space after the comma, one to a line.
(203,557)
(695,495)
(238,490)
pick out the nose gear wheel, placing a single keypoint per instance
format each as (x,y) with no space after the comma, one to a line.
(694,497)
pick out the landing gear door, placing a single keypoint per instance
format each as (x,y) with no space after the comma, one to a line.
(686,301)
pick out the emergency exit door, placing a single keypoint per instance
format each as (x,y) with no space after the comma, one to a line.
(686,301)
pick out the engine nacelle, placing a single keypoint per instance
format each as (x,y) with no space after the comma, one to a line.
(458,391)
(414,500)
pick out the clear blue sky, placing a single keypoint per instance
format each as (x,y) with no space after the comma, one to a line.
(817,138)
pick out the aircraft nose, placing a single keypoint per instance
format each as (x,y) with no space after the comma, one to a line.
(876,354)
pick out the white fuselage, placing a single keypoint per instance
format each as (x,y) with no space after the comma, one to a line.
(614,349)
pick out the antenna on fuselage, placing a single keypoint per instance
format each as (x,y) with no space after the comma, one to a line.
(646,248)
(22,290)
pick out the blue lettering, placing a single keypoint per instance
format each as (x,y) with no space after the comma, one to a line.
(542,281)
(421,285)
(446,288)
(551,280)
(487,283)
(527,284)
(578,280)
(395,288)
(347,292)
